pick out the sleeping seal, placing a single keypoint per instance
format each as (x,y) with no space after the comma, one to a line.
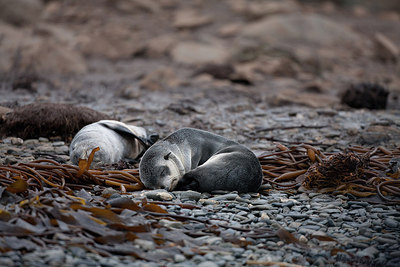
(201,161)
(115,139)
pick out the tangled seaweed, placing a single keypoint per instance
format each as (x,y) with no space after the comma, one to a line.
(42,173)
(361,172)
(45,203)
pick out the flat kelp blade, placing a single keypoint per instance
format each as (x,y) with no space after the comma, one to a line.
(84,164)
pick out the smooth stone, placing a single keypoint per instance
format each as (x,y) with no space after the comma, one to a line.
(359,203)
(296,215)
(358,244)
(260,207)
(171,224)
(207,264)
(179,258)
(377,210)
(283,204)
(189,195)
(208,201)
(332,210)
(225,197)
(389,222)
(311,227)
(368,252)
(395,254)
(13,141)
(58,143)
(162,195)
(145,244)
(386,240)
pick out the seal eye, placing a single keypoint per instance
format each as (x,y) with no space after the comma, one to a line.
(166,157)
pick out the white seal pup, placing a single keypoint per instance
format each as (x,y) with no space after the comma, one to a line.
(201,161)
(116,140)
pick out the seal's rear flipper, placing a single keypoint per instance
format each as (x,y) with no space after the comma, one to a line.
(126,132)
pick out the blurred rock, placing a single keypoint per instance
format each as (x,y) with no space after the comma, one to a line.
(190,18)
(47,56)
(385,49)
(256,9)
(366,95)
(111,41)
(160,45)
(20,12)
(308,29)
(293,97)
(377,135)
(129,92)
(230,29)
(159,79)
(22,51)
(199,53)
(11,39)
(134,6)
(218,71)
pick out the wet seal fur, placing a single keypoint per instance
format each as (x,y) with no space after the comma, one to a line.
(201,161)
(116,140)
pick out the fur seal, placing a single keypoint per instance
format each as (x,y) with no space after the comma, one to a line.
(116,140)
(201,161)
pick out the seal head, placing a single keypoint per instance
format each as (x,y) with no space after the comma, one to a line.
(161,168)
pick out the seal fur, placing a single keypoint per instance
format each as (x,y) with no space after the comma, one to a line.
(116,140)
(202,161)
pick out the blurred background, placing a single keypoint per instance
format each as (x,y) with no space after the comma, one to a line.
(125,57)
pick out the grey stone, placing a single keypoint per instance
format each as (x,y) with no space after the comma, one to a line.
(296,215)
(225,197)
(207,264)
(179,258)
(189,195)
(162,195)
(386,240)
(389,222)
(368,252)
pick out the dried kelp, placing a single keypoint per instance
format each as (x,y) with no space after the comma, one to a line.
(49,173)
(361,172)
(45,203)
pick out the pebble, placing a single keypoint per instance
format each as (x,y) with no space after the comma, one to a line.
(389,222)
(188,195)
(161,195)
(207,264)
(360,228)
(225,197)
(383,240)
(296,215)
(171,224)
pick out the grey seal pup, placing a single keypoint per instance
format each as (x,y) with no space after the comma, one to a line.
(201,161)
(116,140)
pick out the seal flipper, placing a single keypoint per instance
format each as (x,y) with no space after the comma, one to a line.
(187,183)
(127,132)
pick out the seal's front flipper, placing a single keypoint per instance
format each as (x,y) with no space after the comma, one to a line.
(187,183)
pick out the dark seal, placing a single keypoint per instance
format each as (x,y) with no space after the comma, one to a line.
(201,161)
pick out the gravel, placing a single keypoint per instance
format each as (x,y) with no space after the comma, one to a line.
(332,230)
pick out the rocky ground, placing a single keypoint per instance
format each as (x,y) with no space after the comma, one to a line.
(257,72)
